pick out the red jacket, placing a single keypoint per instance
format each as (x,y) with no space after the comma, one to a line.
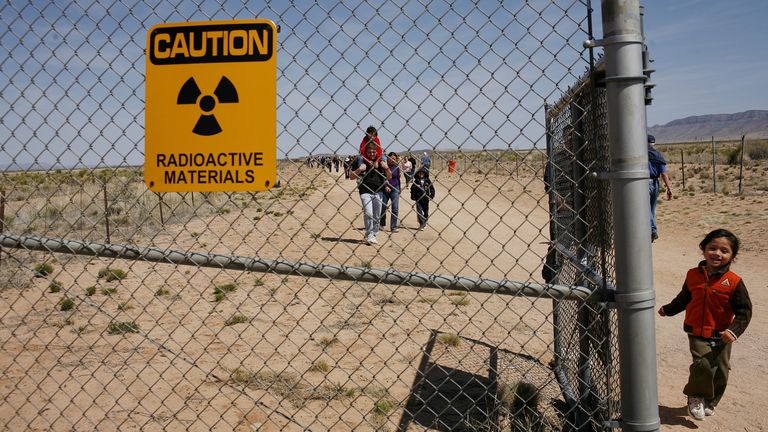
(379,151)
(713,303)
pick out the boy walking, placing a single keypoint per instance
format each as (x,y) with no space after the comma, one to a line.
(717,311)
(422,191)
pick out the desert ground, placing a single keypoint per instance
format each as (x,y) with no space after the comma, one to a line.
(354,345)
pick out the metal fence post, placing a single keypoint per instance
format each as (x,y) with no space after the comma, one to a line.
(714,168)
(682,166)
(741,166)
(2,218)
(635,297)
(106,209)
(160,206)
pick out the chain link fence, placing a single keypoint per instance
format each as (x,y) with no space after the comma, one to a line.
(125,309)
(581,252)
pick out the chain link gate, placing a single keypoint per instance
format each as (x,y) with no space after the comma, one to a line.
(123,309)
(581,253)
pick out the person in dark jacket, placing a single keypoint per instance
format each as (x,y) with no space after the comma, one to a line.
(373,174)
(657,169)
(422,190)
(717,311)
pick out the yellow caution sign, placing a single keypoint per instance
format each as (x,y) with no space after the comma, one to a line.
(211,107)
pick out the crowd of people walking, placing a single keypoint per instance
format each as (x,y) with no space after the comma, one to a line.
(381,180)
(380,185)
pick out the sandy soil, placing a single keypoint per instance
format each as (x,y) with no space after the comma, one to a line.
(683,223)
(63,371)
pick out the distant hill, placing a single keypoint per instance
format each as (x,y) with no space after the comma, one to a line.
(753,123)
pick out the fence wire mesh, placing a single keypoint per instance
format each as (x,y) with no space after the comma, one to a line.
(124,309)
(582,254)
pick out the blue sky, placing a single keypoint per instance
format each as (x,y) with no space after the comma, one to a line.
(453,75)
(441,75)
(711,57)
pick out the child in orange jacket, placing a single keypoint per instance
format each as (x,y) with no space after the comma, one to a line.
(717,311)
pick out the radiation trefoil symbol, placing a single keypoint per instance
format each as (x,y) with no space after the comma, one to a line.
(190,94)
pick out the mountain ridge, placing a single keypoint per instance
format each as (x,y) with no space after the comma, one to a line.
(752,123)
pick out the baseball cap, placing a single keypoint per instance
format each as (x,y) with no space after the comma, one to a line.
(651,139)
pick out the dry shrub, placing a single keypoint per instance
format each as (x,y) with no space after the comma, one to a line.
(758,150)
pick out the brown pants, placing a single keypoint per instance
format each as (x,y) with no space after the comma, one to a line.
(708,375)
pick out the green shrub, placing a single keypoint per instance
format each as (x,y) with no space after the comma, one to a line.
(228,287)
(460,301)
(236,319)
(733,155)
(124,306)
(330,391)
(220,291)
(725,189)
(55,286)
(326,340)
(526,395)
(42,269)
(383,407)
(758,150)
(117,327)
(66,304)
(450,339)
(321,366)
(8,221)
(52,212)
(111,274)
(91,290)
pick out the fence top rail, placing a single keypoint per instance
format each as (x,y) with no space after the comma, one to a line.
(340,272)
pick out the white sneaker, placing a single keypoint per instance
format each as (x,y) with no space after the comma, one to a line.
(696,407)
(709,410)
(372,240)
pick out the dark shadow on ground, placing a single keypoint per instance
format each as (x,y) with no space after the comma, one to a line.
(676,416)
(342,240)
(456,388)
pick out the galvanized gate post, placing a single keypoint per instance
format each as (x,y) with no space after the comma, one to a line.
(635,297)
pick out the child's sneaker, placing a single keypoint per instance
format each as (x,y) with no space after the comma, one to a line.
(709,409)
(696,407)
